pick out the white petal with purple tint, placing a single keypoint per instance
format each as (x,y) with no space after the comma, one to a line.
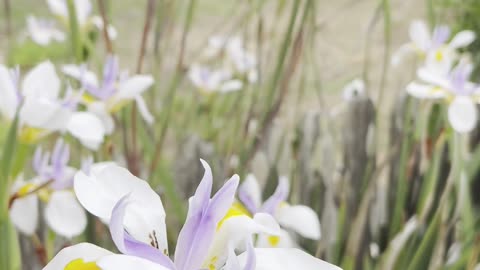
(103,188)
(462,39)
(420,35)
(250,193)
(462,114)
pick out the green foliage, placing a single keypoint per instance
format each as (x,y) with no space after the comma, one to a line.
(28,53)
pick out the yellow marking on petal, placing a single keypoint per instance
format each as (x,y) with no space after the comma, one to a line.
(25,189)
(283,204)
(29,135)
(44,195)
(118,106)
(79,264)
(439,56)
(273,240)
(237,209)
(88,99)
(211,266)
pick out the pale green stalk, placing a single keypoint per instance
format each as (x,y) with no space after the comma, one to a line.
(75,37)
(7,234)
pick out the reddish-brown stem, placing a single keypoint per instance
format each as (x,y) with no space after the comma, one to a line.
(8,21)
(132,158)
(106,37)
(40,250)
(16,195)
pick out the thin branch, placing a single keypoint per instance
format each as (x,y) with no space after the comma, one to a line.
(106,37)
(172,89)
(8,18)
(150,11)
(17,195)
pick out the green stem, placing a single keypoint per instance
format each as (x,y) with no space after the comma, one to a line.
(75,37)
(6,232)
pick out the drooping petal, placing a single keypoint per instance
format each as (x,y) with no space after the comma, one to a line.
(101,190)
(82,253)
(127,244)
(134,86)
(280,195)
(24,214)
(144,112)
(87,128)
(462,114)
(41,81)
(197,234)
(462,39)
(249,193)
(420,35)
(424,91)
(65,215)
(286,259)
(125,262)
(299,218)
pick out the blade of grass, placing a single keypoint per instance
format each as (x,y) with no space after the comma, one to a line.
(6,253)
(75,37)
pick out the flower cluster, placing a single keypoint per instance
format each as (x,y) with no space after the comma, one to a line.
(84,113)
(44,31)
(445,72)
(217,234)
(237,66)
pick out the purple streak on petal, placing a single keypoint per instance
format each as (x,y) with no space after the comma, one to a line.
(127,244)
(280,195)
(40,164)
(15,77)
(201,198)
(71,100)
(459,77)
(37,160)
(87,164)
(91,89)
(110,75)
(197,234)
(223,199)
(251,263)
(59,161)
(247,200)
(440,35)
